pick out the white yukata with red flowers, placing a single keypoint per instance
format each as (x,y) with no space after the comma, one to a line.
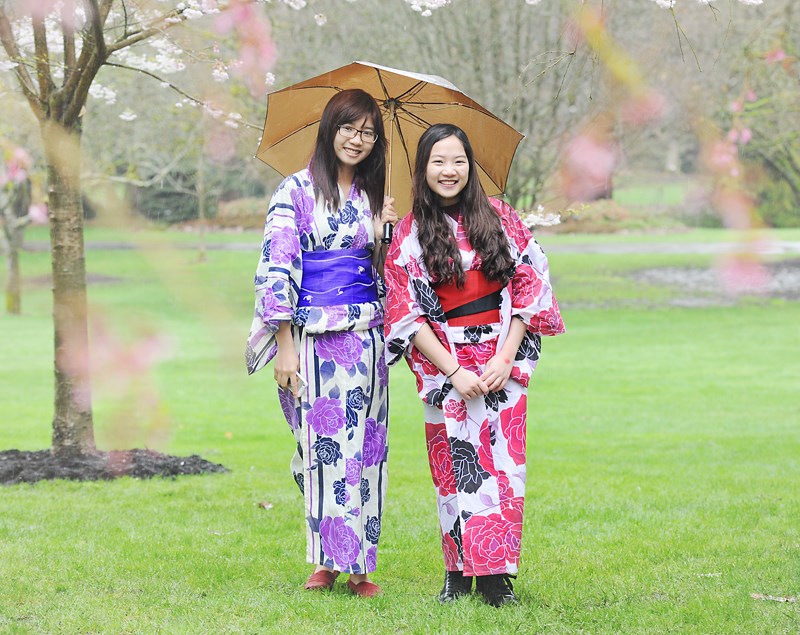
(476,447)
(340,420)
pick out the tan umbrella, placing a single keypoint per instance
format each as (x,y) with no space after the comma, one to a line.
(410,103)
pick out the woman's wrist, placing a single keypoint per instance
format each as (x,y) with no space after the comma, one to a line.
(458,368)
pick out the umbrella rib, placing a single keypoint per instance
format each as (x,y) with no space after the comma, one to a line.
(292,133)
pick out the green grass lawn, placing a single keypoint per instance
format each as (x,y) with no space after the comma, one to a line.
(663,488)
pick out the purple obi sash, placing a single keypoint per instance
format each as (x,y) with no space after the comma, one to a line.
(337,276)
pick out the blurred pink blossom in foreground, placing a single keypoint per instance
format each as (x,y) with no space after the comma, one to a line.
(644,108)
(743,273)
(114,366)
(587,165)
(256,48)
(16,167)
(39,213)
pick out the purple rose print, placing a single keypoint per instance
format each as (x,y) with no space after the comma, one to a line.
(303,210)
(285,246)
(269,304)
(343,347)
(372,530)
(339,542)
(355,398)
(289,408)
(326,416)
(353,471)
(383,372)
(361,238)
(340,492)
(374,442)
(328,451)
(335,315)
(372,558)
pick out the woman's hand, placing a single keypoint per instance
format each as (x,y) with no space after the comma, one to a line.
(287,361)
(497,372)
(468,383)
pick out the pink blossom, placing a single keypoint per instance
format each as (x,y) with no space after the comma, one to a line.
(256,49)
(735,206)
(743,273)
(774,56)
(644,108)
(17,166)
(39,213)
(587,165)
(751,95)
(745,135)
(721,156)
(735,106)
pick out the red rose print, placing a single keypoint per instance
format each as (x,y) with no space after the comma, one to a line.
(513,424)
(485,453)
(504,488)
(525,287)
(440,459)
(521,377)
(549,321)
(413,268)
(484,541)
(456,409)
(428,368)
(514,226)
(450,552)
(512,508)
(512,539)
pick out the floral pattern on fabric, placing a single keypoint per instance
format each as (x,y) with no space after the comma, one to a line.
(476,447)
(340,419)
(297,223)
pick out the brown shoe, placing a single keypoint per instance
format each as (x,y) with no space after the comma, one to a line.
(322,579)
(365,589)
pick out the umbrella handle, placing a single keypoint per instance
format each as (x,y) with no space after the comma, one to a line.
(387,233)
(386,239)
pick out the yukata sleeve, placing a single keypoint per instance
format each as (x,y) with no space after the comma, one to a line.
(403,278)
(278,275)
(532,298)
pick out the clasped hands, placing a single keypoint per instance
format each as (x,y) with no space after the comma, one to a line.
(494,378)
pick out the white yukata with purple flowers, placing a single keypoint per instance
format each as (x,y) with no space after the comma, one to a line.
(340,420)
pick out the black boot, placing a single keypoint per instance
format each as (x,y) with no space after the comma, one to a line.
(496,589)
(456,584)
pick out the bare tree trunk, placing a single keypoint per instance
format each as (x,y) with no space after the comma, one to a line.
(13,295)
(72,422)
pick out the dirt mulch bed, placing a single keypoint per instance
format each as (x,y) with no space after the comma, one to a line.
(40,465)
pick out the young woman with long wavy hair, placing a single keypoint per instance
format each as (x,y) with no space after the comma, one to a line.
(468,299)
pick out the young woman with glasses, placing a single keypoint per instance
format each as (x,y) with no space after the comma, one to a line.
(319,315)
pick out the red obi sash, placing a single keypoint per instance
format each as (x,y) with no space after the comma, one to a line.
(477,303)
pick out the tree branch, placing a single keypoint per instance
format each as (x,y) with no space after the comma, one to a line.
(95,17)
(158,25)
(178,90)
(69,44)
(25,81)
(42,56)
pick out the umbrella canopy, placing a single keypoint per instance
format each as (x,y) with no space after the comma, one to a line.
(410,103)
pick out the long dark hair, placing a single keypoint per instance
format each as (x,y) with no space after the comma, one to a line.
(346,107)
(481,222)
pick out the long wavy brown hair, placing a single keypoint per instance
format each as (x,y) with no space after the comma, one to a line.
(346,107)
(481,222)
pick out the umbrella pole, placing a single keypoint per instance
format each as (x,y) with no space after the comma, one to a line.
(387,227)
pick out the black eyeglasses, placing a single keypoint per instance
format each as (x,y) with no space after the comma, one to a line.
(367,136)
